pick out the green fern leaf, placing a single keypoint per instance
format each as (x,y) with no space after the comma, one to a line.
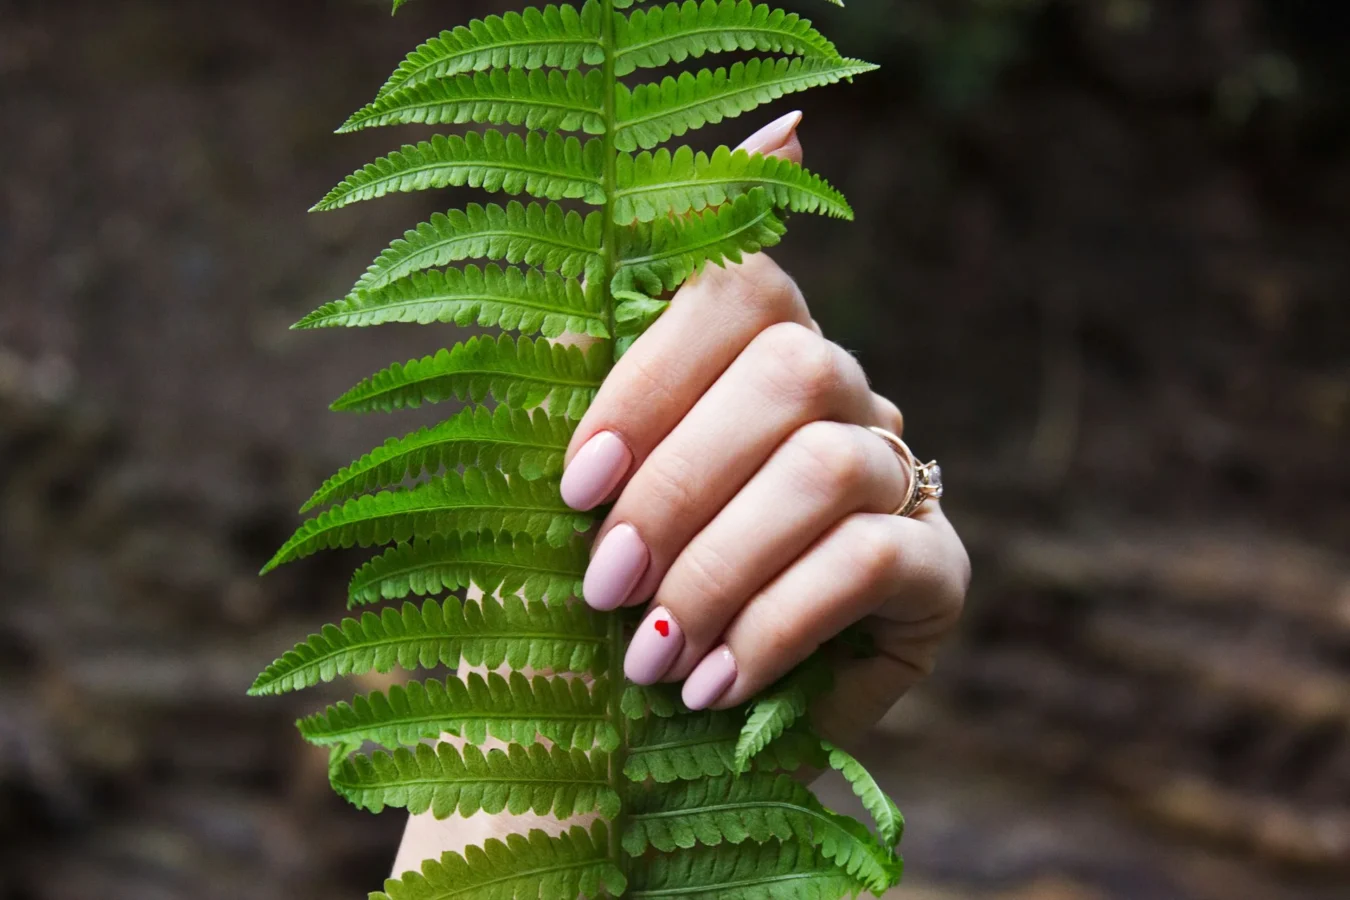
(633,315)
(550,167)
(753,807)
(660,700)
(652,114)
(530,445)
(774,871)
(499,564)
(574,864)
(779,708)
(517,710)
(703,745)
(560,36)
(544,101)
(665,183)
(474,501)
(512,299)
(662,255)
(890,823)
(673,33)
(447,782)
(540,235)
(522,374)
(476,633)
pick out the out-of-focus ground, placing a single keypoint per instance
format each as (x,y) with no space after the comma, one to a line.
(1100,259)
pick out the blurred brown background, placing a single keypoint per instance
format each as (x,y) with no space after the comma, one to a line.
(1100,259)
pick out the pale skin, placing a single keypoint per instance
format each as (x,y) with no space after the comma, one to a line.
(752,511)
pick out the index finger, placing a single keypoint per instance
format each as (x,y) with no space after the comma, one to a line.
(712,318)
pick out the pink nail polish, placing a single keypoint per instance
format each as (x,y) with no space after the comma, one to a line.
(616,568)
(595,471)
(656,644)
(773,135)
(710,680)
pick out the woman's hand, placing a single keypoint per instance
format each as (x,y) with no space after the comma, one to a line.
(752,505)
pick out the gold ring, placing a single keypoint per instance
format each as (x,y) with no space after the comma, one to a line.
(925,479)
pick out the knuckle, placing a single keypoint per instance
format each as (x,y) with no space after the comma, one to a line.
(890,416)
(666,488)
(801,365)
(769,291)
(834,455)
(645,378)
(699,578)
(876,553)
(783,640)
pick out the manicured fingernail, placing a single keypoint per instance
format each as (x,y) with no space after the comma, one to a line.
(595,471)
(710,679)
(616,568)
(772,136)
(655,645)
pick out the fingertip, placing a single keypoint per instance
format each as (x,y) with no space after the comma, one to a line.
(775,138)
(791,150)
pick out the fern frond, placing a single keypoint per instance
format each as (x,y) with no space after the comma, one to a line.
(703,745)
(499,564)
(663,254)
(890,823)
(530,445)
(446,781)
(474,501)
(779,708)
(652,114)
(673,33)
(453,503)
(517,710)
(753,807)
(574,864)
(560,36)
(544,101)
(476,633)
(550,167)
(512,299)
(540,235)
(522,374)
(665,183)
(774,871)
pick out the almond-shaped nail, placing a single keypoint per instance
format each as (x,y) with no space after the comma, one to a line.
(595,471)
(772,136)
(616,568)
(710,679)
(655,645)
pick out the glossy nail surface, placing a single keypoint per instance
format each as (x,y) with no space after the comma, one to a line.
(595,471)
(656,644)
(710,680)
(616,568)
(772,136)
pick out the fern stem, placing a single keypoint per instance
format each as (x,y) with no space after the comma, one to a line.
(609,253)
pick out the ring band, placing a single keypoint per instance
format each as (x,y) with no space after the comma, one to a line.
(925,479)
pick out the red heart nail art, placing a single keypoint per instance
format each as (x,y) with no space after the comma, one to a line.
(663,627)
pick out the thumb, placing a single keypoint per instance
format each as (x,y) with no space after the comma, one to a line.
(778,138)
